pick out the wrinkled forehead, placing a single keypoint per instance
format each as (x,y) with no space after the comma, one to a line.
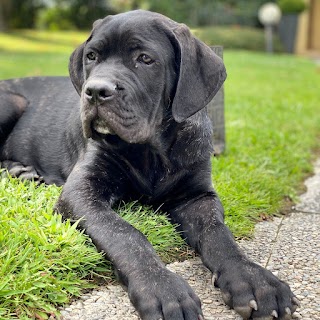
(137,29)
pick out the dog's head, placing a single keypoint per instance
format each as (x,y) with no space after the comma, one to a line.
(137,67)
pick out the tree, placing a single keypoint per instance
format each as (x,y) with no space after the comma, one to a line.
(5,6)
(84,12)
(19,14)
(73,14)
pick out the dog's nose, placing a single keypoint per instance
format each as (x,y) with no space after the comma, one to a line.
(96,91)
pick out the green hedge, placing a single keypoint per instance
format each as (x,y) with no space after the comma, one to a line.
(236,37)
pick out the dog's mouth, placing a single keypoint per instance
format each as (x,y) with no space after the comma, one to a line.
(103,120)
(131,132)
(99,125)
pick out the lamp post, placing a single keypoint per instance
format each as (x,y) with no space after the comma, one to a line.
(269,15)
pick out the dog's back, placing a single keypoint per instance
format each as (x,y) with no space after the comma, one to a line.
(34,108)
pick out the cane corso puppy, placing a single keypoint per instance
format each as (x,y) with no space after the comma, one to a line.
(139,131)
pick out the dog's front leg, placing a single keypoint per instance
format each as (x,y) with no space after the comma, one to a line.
(155,292)
(251,290)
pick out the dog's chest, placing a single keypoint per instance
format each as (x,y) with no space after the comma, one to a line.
(150,174)
(152,171)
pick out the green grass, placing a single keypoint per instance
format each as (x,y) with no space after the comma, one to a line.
(273,130)
(34,53)
(44,262)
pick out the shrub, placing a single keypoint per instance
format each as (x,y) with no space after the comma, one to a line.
(236,37)
(292,6)
(54,19)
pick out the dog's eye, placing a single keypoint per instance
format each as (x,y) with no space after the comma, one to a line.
(91,56)
(145,59)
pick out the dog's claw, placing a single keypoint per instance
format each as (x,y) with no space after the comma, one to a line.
(296,301)
(253,304)
(214,279)
(288,314)
(200,317)
(274,314)
(245,312)
(288,311)
(226,296)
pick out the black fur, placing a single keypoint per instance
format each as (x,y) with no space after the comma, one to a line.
(141,132)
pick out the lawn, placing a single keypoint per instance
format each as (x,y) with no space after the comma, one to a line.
(272,127)
(33,53)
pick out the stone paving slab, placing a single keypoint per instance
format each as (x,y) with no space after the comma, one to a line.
(310,201)
(282,253)
(288,246)
(296,259)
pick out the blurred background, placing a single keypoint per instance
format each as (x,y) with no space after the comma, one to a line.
(236,23)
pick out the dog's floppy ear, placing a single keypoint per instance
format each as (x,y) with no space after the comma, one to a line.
(201,74)
(76,62)
(76,68)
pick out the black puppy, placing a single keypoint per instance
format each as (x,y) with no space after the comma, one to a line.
(141,132)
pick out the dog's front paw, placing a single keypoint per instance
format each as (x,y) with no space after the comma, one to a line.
(254,292)
(164,295)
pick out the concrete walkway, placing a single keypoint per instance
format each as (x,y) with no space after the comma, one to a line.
(288,246)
